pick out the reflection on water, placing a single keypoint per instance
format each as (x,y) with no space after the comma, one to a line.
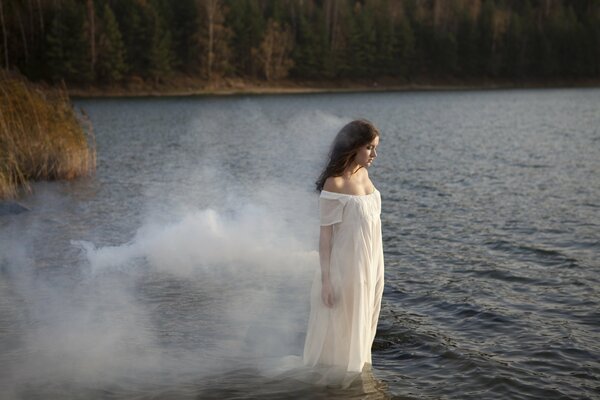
(236,383)
(186,262)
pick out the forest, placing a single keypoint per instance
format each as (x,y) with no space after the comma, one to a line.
(116,42)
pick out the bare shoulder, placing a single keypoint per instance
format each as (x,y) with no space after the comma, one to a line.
(366,182)
(334,184)
(362,176)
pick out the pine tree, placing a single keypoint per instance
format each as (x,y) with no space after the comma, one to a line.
(405,39)
(592,40)
(485,33)
(159,47)
(111,50)
(311,50)
(72,40)
(247,25)
(66,45)
(466,40)
(385,60)
(132,21)
(91,35)
(514,62)
(444,54)
(572,45)
(181,22)
(361,50)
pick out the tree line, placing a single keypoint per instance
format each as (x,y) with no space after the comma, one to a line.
(116,41)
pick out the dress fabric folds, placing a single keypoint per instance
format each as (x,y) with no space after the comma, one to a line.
(339,339)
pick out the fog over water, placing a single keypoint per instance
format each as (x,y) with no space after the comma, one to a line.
(183,267)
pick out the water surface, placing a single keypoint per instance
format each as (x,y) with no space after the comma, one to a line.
(185,262)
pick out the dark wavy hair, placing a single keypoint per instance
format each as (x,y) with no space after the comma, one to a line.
(349,139)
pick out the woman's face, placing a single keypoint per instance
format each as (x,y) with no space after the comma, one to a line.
(367,153)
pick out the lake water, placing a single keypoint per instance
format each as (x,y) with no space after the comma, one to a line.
(182,269)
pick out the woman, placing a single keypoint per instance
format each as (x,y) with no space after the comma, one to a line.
(347,290)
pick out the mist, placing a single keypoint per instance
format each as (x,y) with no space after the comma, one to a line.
(214,273)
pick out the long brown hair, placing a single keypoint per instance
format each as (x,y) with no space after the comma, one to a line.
(349,139)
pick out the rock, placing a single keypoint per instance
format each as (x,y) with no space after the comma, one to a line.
(12,207)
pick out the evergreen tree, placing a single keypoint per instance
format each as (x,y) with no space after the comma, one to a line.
(247,25)
(485,33)
(90,29)
(405,42)
(444,55)
(66,45)
(519,46)
(545,60)
(159,47)
(591,22)
(527,39)
(385,60)
(466,40)
(180,20)
(310,49)
(571,45)
(424,47)
(111,50)
(326,57)
(73,40)
(132,20)
(514,59)
(361,42)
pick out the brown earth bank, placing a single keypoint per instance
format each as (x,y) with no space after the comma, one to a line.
(186,86)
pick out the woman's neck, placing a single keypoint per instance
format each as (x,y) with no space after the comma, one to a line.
(351,170)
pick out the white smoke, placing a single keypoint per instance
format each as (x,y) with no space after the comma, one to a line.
(231,259)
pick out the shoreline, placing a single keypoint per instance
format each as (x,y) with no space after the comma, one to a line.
(232,87)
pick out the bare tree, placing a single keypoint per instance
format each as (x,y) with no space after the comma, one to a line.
(331,18)
(4,34)
(41,15)
(31,15)
(23,36)
(92,26)
(273,55)
(211,7)
(213,38)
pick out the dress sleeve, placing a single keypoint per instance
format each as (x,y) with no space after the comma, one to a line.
(330,211)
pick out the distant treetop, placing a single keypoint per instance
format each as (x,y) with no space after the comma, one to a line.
(117,41)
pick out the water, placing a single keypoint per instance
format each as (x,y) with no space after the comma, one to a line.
(184,264)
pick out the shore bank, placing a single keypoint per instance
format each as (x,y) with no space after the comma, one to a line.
(186,86)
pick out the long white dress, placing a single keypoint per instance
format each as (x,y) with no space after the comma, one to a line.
(339,339)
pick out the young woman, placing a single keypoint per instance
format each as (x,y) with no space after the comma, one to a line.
(347,290)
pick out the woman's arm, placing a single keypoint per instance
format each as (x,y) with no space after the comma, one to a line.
(325,237)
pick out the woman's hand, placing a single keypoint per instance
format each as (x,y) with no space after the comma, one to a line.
(327,294)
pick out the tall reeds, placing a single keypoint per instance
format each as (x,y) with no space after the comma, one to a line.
(41,136)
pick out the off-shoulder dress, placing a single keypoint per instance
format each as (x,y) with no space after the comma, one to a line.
(342,336)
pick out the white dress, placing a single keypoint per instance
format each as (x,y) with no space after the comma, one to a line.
(339,339)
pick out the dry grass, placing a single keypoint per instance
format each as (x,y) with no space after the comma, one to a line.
(41,137)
